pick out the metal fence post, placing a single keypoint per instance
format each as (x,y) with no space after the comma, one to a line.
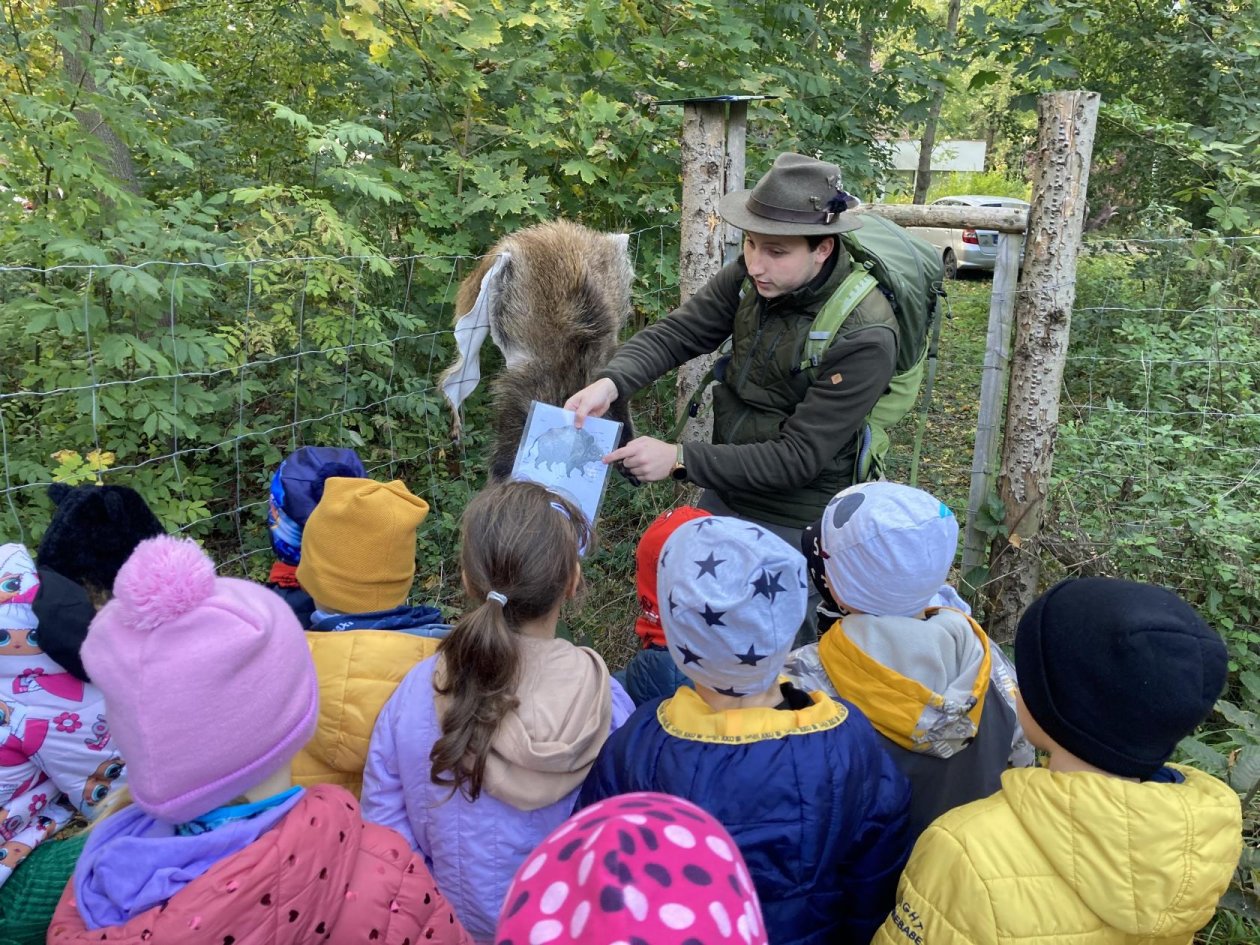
(997,351)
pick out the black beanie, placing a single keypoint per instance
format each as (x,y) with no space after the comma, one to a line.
(93,531)
(1116,672)
(64,612)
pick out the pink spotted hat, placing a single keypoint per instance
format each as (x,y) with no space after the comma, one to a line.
(637,869)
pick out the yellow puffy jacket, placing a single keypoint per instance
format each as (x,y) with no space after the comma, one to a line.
(1071,859)
(358,671)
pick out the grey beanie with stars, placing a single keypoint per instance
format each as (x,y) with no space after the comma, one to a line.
(732,596)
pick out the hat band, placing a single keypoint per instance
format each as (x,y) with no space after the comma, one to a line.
(783,215)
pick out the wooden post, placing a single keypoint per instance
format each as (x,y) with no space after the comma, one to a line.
(1043,315)
(704,172)
(997,352)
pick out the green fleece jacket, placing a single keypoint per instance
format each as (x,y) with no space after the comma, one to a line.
(785,440)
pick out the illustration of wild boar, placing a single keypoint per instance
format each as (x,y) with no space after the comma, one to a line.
(565,446)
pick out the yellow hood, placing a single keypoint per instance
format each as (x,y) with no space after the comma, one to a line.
(1149,859)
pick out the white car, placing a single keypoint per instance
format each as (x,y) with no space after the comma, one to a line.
(967,248)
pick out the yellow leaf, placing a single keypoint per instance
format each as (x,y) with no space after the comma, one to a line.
(64,456)
(1016,540)
(101,460)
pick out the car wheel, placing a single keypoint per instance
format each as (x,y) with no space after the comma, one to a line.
(951,264)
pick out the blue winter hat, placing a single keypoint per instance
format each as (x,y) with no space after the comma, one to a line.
(732,596)
(296,488)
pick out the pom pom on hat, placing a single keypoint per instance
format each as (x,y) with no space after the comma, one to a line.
(164,579)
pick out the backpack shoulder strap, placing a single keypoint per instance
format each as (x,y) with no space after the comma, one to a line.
(856,286)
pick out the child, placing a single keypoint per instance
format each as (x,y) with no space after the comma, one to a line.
(62,611)
(296,488)
(940,695)
(358,562)
(652,868)
(1106,845)
(211,691)
(652,673)
(93,531)
(481,751)
(816,805)
(56,755)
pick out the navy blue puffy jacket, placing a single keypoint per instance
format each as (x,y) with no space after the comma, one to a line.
(815,803)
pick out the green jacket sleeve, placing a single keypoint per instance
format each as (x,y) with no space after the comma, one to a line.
(696,327)
(851,377)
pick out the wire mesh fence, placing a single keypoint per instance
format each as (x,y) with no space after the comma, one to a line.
(190,382)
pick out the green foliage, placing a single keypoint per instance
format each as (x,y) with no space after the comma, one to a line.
(990,183)
(279,200)
(1178,123)
(1158,443)
(1231,751)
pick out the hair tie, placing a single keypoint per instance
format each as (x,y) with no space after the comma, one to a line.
(559,507)
(500,599)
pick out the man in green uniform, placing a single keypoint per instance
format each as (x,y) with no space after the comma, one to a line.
(785,438)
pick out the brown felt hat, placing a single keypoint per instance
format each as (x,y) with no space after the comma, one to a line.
(798,196)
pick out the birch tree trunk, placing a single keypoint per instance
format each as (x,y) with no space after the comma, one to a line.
(1043,317)
(701,238)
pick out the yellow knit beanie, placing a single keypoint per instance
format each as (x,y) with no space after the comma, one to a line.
(359,545)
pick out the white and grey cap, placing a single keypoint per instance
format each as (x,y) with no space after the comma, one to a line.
(887,548)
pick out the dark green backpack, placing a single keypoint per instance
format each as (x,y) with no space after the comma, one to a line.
(909,272)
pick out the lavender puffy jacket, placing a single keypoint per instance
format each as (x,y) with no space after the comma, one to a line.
(473,848)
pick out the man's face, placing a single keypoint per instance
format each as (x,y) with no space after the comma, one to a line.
(782,264)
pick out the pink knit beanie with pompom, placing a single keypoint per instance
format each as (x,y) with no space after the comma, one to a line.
(208,681)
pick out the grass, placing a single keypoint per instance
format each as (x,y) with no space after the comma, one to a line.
(950,423)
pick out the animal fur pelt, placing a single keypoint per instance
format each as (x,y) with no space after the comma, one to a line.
(563,297)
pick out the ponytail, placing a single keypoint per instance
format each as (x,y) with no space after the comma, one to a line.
(518,555)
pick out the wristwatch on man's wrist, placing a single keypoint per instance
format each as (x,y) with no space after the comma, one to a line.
(679,472)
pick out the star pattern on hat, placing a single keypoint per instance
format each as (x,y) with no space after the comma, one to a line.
(713,617)
(673,606)
(732,692)
(688,655)
(767,585)
(704,523)
(756,531)
(709,565)
(752,657)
